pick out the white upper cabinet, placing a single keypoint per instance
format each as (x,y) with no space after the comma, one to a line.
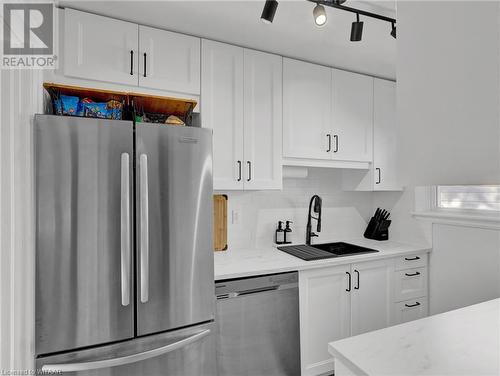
(385,167)
(241,103)
(169,61)
(262,120)
(327,116)
(222,111)
(371,296)
(100,48)
(383,173)
(109,50)
(306,110)
(352,113)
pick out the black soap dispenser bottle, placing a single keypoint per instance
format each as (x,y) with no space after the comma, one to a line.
(288,233)
(279,236)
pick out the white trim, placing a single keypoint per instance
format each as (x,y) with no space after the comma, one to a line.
(459,218)
(303,162)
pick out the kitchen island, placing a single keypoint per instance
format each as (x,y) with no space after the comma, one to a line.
(465,341)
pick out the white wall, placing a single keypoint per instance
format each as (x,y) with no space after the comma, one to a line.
(448,109)
(20,97)
(344,213)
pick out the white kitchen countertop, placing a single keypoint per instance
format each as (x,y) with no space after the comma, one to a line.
(250,262)
(465,341)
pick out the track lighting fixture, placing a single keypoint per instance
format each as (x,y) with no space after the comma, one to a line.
(269,11)
(319,14)
(356,30)
(393,31)
(357,26)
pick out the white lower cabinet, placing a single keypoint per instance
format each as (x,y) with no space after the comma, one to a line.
(341,301)
(371,295)
(325,315)
(338,302)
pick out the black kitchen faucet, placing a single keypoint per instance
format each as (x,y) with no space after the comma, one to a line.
(317,209)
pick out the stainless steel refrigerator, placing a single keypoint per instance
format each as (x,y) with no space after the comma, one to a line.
(124,261)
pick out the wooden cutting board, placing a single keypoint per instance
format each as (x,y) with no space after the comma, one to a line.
(220,222)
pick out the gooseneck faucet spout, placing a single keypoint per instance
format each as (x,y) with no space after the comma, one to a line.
(317,209)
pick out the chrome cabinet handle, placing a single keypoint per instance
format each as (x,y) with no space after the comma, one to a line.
(145,56)
(357,285)
(123,360)
(412,274)
(131,62)
(125,228)
(329,143)
(239,171)
(144,229)
(412,305)
(336,137)
(348,288)
(379,176)
(249,170)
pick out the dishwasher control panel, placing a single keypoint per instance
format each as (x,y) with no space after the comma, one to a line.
(244,286)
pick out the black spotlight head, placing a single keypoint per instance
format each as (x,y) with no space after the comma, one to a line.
(356,30)
(393,31)
(269,11)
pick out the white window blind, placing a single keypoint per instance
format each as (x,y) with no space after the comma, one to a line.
(469,197)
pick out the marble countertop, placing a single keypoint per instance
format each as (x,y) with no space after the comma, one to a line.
(465,341)
(249,262)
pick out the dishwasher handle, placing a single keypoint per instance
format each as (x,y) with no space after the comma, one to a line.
(256,291)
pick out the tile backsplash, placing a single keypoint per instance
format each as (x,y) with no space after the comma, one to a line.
(253,215)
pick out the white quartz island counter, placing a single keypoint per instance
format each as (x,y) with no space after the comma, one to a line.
(465,341)
(243,263)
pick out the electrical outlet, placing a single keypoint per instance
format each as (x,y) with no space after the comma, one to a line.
(235,217)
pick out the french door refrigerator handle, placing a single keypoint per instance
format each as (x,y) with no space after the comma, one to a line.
(125,228)
(120,361)
(144,228)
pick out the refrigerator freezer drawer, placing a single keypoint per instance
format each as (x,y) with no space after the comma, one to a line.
(185,352)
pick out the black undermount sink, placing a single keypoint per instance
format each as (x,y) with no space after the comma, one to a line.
(326,250)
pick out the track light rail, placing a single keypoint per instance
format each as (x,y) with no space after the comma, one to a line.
(361,12)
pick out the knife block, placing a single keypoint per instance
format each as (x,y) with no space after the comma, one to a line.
(378,229)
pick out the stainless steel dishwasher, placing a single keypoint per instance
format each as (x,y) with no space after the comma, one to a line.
(258,326)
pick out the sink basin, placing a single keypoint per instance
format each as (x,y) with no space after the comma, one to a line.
(324,251)
(343,249)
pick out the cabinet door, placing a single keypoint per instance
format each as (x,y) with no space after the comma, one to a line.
(222,110)
(262,120)
(306,110)
(371,297)
(385,136)
(100,48)
(352,112)
(172,61)
(324,315)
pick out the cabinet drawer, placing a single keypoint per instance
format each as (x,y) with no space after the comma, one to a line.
(410,310)
(410,284)
(411,261)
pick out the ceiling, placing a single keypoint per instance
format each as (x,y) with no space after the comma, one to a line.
(292,34)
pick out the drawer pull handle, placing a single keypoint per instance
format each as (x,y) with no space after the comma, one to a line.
(412,274)
(412,305)
(357,286)
(412,258)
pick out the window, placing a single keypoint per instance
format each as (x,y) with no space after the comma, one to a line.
(469,197)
